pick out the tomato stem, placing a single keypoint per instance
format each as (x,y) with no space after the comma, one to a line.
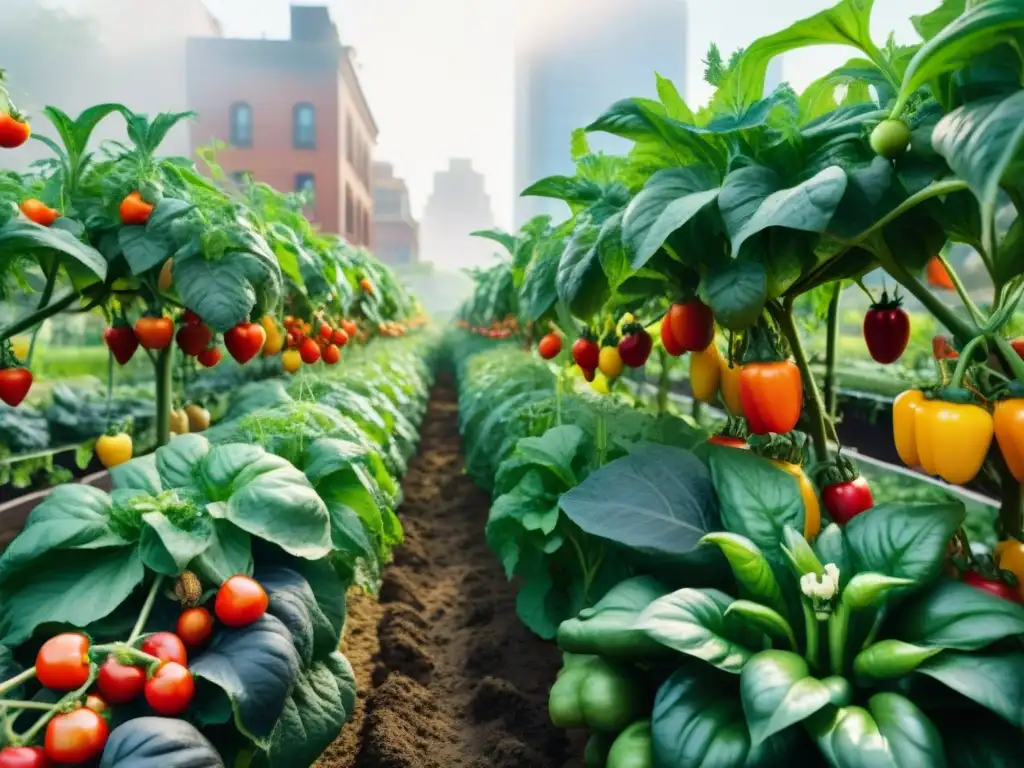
(965,360)
(811,630)
(15,704)
(34,318)
(29,736)
(17,680)
(164,369)
(838,625)
(663,360)
(147,607)
(958,284)
(831,343)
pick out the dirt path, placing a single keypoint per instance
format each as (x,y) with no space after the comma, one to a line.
(447,674)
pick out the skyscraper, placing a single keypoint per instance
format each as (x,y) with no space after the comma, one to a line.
(588,55)
(458,205)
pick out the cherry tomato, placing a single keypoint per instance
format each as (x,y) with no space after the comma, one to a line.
(23,757)
(14,385)
(1018,345)
(189,317)
(209,357)
(245,340)
(291,360)
(96,704)
(326,332)
(366,285)
(693,325)
(772,394)
(635,347)
(135,210)
(331,354)
(586,353)
(193,338)
(340,337)
(309,351)
(240,601)
(992,586)
(166,646)
(76,737)
(886,331)
(890,138)
(154,332)
(844,501)
(549,346)
(349,327)
(942,349)
(39,212)
(668,337)
(13,131)
(120,683)
(170,690)
(195,626)
(62,664)
(120,340)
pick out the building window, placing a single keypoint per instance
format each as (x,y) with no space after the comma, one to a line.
(305,182)
(304,126)
(240,116)
(349,143)
(348,210)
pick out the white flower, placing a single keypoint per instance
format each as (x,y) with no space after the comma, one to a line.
(825,587)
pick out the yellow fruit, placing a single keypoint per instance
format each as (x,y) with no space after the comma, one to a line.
(198,418)
(19,346)
(166,279)
(179,421)
(112,450)
(609,362)
(275,339)
(291,360)
(600,384)
(705,374)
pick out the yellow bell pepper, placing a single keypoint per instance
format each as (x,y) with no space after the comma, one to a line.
(730,386)
(904,430)
(953,439)
(812,507)
(609,362)
(705,373)
(1009,429)
(1009,556)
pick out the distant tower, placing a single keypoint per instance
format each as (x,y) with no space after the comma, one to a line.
(590,54)
(458,205)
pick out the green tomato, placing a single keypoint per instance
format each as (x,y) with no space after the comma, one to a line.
(589,692)
(564,705)
(632,748)
(890,138)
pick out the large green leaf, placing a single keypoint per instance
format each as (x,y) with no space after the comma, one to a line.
(581,282)
(573,190)
(751,568)
(220,292)
(159,742)
(168,549)
(293,602)
(538,292)
(144,248)
(19,235)
(995,681)
(955,615)
(736,293)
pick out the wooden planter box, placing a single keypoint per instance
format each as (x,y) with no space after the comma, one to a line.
(14,513)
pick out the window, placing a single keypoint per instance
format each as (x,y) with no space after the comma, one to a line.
(304,126)
(305,182)
(240,117)
(349,143)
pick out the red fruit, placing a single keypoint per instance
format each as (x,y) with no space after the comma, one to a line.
(166,646)
(14,385)
(635,347)
(349,327)
(340,337)
(331,354)
(550,346)
(1018,345)
(96,704)
(119,683)
(886,331)
(938,276)
(13,131)
(309,350)
(245,341)
(170,690)
(135,210)
(76,737)
(195,626)
(693,325)
(240,601)
(942,349)
(39,212)
(120,340)
(209,357)
(154,332)
(62,663)
(668,337)
(992,586)
(326,332)
(588,373)
(193,338)
(844,501)
(23,757)
(586,354)
(189,317)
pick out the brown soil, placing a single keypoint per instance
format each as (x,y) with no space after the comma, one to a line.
(447,674)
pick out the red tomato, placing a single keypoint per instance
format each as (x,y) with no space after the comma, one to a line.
(195,626)
(193,338)
(166,646)
(309,351)
(189,317)
(121,341)
(668,337)
(170,690)
(992,586)
(14,385)
(209,357)
(886,332)
(693,325)
(326,332)
(39,212)
(135,210)
(13,131)
(550,346)
(938,276)
(62,663)
(76,737)
(726,440)
(844,501)
(23,757)
(119,683)
(772,395)
(154,332)
(331,354)
(349,327)
(340,337)
(635,348)
(942,349)
(586,353)
(1018,345)
(245,341)
(588,374)
(366,285)
(240,601)
(96,704)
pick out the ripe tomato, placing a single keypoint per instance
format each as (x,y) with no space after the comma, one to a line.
(772,394)
(240,601)
(668,337)
(349,327)
(120,340)
(244,341)
(198,417)
(166,646)
(550,346)
(23,757)
(886,331)
(154,332)
(13,131)
(135,210)
(938,276)
(366,285)
(39,212)
(326,332)
(844,501)
(96,704)
(189,317)
(331,354)
(309,351)
(170,690)
(588,374)
(120,683)
(291,360)
(193,338)
(693,325)
(62,663)
(586,353)
(1018,345)
(76,737)
(635,347)
(195,626)
(14,385)
(340,337)
(942,349)
(113,450)
(209,357)
(992,586)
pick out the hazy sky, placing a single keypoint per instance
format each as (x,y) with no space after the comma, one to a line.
(438,73)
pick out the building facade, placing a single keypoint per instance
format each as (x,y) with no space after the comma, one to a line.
(458,204)
(395,234)
(588,55)
(290,113)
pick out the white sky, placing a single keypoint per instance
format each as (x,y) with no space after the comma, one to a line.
(438,73)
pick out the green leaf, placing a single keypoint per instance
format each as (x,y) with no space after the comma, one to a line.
(889,659)
(657,500)
(975,739)
(19,235)
(220,292)
(144,249)
(538,293)
(573,190)
(675,107)
(764,619)
(777,692)
(502,238)
(669,200)
(581,282)
(167,549)
(555,450)
(907,541)
(871,590)
(928,25)
(955,615)
(159,742)
(608,627)
(799,553)
(10,668)
(177,462)
(257,667)
(229,552)
(692,621)
(736,293)
(750,567)
(293,602)
(830,547)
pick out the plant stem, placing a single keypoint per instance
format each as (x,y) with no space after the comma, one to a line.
(965,360)
(696,409)
(663,358)
(29,736)
(838,627)
(962,291)
(164,394)
(110,385)
(601,439)
(17,680)
(811,630)
(812,395)
(1011,512)
(875,626)
(831,342)
(147,608)
(14,704)
(44,299)
(34,318)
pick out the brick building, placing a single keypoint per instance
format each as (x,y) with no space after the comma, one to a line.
(292,114)
(396,234)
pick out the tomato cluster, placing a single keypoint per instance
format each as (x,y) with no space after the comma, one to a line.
(307,344)
(499,329)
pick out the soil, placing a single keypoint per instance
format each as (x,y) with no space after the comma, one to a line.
(447,674)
